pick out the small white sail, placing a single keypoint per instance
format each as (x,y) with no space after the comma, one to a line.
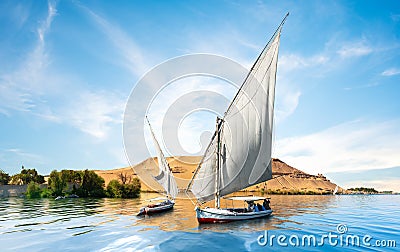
(245,134)
(165,178)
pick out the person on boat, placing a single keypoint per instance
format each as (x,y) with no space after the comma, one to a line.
(256,208)
(260,207)
(250,207)
(266,204)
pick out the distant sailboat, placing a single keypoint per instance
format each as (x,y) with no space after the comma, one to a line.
(239,154)
(336,189)
(166,179)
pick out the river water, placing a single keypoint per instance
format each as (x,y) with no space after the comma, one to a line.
(112,225)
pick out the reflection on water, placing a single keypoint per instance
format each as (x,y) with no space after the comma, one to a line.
(25,212)
(112,223)
(284,206)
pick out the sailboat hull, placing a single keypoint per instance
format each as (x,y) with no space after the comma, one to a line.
(214,215)
(153,209)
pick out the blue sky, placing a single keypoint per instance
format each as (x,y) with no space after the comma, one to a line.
(67,69)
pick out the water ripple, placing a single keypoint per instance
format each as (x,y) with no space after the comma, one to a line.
(111,224)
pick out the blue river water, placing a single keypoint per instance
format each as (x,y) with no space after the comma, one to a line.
(329,223)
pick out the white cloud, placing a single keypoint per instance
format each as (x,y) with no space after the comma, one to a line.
(354,50)
(391,72)
(42,30)
(13,97)
(289,62)
(351,146)
(191,121)
(94,113)
(12,159)
(194,135)
(288,90)
(20,14)
(395,17)
(230,43)
(20,89)
(187,108)
(131,53)
(286,104)
(244,42)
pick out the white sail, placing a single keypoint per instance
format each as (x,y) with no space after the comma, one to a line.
(245,134)
(165,177)
(203,187)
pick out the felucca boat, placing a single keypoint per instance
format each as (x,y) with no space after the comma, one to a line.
(165,179)
(239,153)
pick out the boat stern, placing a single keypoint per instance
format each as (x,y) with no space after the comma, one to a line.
(142,211)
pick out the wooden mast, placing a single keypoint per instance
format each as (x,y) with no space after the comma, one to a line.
(218,167)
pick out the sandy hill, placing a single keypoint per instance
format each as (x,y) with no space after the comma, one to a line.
(285,179)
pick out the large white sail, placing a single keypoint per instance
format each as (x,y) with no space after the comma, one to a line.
(245,134)
(165,177)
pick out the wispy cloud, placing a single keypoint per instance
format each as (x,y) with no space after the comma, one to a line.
(131,53)
(13,97)
(23,153)
(391,72)
(21,88)
(20,14)
(355,145)
(20,157)
(395,17)
(289,89)
(248,44)
(287,104)
(369,85)
(52,11)
(355,49)
(94,113)
(289,62)
(185,109)
(224,41)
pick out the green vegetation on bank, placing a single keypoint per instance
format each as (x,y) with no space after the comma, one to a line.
(4,178)
(69,182)
(115,189)
(33,191)
(295,192)
(363,189)
(26,176)
(82,183)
